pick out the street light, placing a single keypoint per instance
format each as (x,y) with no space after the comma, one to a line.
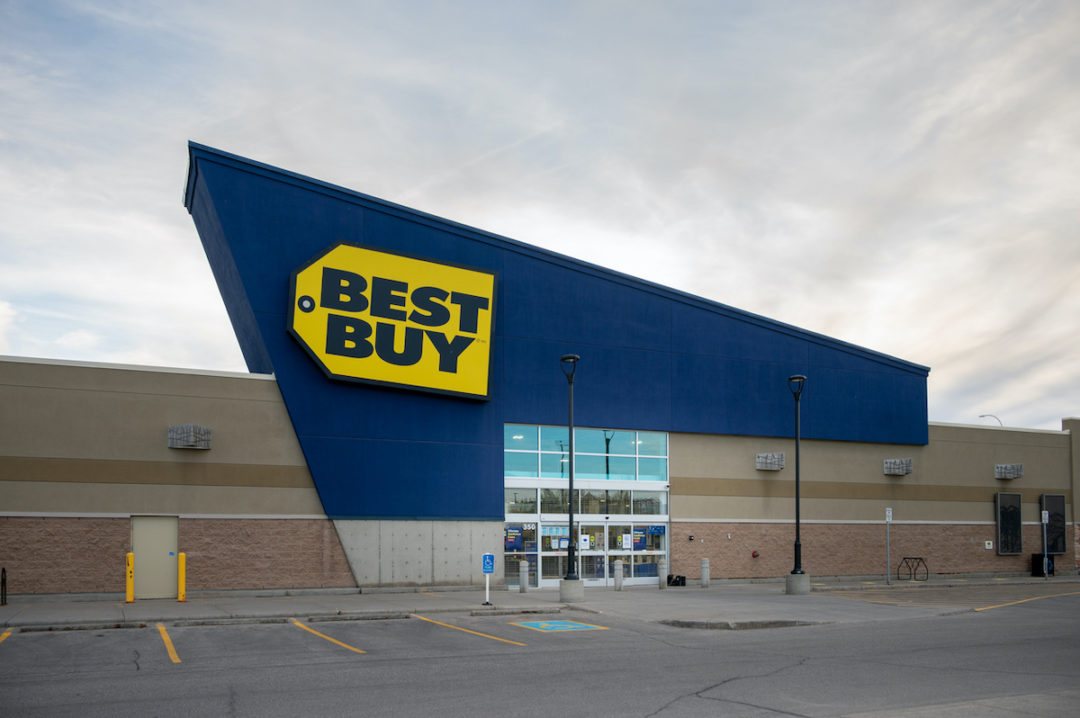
(991,416)
(795,384)
(569,366)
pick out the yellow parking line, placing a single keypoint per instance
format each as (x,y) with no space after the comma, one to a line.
(1025,600)
(168,643)
(4,636)
(323,635)
(466,630)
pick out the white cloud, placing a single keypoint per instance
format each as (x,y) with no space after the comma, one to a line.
(901,177)
(7,320)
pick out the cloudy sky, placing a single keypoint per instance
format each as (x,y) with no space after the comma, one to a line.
(900,175)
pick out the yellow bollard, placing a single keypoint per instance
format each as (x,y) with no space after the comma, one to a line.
(131,578)
(181,568)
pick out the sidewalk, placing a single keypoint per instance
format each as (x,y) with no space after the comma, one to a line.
(723,605)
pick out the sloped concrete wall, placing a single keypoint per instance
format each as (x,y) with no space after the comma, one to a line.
(420,553)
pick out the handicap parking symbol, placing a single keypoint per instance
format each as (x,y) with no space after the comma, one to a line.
(553,626)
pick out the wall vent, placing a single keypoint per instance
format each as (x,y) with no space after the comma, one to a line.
(189,436)
(772,461)
(1008,471)
(898,467)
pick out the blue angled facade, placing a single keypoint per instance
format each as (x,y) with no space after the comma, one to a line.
(653,358)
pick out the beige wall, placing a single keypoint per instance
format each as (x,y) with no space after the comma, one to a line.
(733,509)
(91,440)
(713,478)
(84,447)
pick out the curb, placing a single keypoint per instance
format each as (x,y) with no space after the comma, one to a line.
(270,619)
(742,625)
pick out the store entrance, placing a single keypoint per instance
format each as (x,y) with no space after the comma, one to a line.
(545,546)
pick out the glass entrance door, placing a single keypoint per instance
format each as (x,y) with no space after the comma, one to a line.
(545,545)
(592,551)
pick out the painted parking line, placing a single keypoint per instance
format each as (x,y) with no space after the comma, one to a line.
(553,626)
(1025,600)
(3,637)
(466,630)
(323,635)
(168,643)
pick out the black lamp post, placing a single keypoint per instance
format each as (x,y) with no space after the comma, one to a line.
(569,366)
(795,383)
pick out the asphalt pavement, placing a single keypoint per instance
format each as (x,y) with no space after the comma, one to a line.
(723,605)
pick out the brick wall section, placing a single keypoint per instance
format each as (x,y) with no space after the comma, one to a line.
(263,553)
(844,549)
(62,555)
(1076,547)
(86,555)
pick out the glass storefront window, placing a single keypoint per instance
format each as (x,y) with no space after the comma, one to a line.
(520,501)
(600,454)
(650,469)
(646,566)
(618,502)
(603,441)
(555,538)
(511,569)
(519,437)
(621,468)
(655,537)
(519,538)
(593,501)
(554,466)
(553,501)
(537,458)
(604,467)
(652,443)
(519,464)
(590,467)
(519,544)
(555,438)
(650,502)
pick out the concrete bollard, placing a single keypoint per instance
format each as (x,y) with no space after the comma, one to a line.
(618,574)
(523,576)
(705,573)
(661,570)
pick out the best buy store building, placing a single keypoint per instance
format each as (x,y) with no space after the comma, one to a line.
(406,413)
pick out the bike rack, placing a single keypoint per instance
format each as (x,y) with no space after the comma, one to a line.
(913,565)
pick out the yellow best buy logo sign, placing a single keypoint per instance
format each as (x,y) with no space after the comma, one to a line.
(374,316)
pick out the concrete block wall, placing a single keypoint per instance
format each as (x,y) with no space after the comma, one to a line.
(421,553)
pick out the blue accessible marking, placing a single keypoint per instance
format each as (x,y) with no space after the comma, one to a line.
(552,626)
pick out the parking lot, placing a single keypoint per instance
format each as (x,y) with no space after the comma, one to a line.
(904,650)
